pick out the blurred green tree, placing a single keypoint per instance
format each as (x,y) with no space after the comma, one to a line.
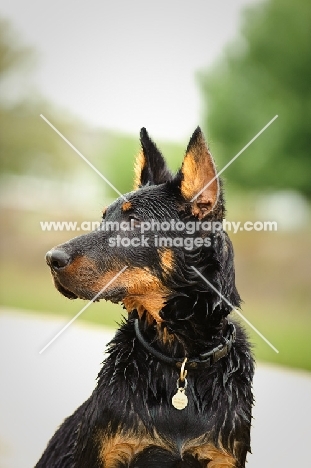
(29,145)
(266,72)
(12,55)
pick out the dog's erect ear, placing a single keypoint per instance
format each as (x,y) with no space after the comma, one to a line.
(199,183)
(150,166)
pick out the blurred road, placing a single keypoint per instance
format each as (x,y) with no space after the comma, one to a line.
(38,391)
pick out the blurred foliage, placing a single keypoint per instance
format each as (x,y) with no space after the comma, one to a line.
(12,55)
(266,72)
(30,146)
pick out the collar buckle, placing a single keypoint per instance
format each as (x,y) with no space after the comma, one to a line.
(184,364)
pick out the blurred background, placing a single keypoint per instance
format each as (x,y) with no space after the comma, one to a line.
(99,71)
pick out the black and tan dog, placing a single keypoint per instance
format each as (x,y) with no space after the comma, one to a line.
(175,389)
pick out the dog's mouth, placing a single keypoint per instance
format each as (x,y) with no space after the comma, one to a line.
(64,291)
(114,294)
(137,289)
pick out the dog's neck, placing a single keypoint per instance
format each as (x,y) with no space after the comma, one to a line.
(205,359)
(193,317)
(188,327)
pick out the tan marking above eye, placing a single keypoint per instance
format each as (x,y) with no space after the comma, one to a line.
(127,206)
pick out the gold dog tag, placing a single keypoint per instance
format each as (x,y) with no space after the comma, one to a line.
(180,399)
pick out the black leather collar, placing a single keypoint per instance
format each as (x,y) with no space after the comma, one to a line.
(204,360)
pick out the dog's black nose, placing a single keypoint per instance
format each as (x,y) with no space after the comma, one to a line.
(57,259)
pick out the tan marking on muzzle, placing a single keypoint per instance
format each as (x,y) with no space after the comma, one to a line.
(144,291)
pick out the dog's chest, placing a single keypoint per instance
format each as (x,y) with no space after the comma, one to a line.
(162,427)
(159,413)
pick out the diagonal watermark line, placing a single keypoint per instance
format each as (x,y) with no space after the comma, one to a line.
(82,310)
(235,310)
(234,158)
(83,157)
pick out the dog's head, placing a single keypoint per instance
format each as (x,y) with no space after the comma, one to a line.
(151,238)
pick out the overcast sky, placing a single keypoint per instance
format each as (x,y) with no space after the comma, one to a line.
(124,64)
